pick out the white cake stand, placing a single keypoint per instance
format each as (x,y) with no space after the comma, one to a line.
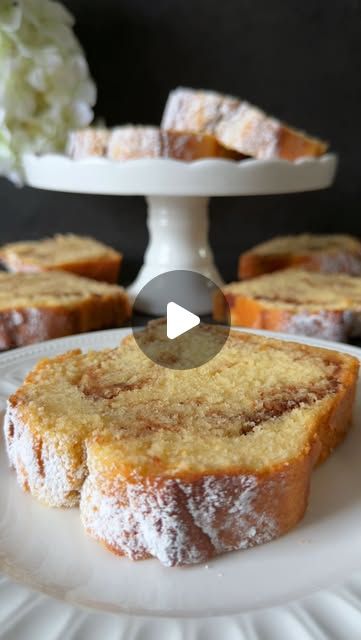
(177,194)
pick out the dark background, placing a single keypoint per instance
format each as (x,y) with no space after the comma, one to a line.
(299,60)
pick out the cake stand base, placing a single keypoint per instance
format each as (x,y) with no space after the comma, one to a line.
(178,239)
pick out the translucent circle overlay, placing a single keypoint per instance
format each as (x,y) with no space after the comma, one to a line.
(198,345)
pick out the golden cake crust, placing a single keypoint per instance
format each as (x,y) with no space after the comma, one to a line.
(162,470)
(237,125)
(41,306)
(334,253)
(78,254)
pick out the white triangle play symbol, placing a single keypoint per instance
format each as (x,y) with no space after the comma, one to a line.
(179,320)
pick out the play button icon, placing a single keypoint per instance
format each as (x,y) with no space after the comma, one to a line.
(178,337)
(179,320)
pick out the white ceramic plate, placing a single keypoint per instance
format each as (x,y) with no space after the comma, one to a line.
(47,550)
(166,177)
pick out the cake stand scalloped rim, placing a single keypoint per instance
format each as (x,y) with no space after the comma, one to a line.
(169,177)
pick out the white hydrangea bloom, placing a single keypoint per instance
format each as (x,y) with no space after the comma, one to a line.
(45,87)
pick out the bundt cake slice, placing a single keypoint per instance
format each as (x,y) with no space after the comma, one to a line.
(334,253)
(181,464)
(237,125)
(40,306)
(295,301)
(77,254)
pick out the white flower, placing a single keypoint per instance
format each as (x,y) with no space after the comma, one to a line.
(45,86)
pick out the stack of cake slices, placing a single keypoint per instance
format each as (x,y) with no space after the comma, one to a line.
(307,284)
(199,124)
(57,287)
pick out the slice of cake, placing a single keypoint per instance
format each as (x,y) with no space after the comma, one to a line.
(334,253)
(295,301)
(78,254)
(237,125)
(40,306)
(181,464)
(131,142)
(87,142)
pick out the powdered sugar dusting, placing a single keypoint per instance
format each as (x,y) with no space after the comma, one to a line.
(234,496)
(88,142)
(54,478)
(326,325)
(184,111)
(140,524)
(250,131)
(176,521)
(337,326)
(340,262)
(26,326)
(235,123)
(132,142)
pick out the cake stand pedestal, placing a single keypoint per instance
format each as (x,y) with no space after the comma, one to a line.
(177,194)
